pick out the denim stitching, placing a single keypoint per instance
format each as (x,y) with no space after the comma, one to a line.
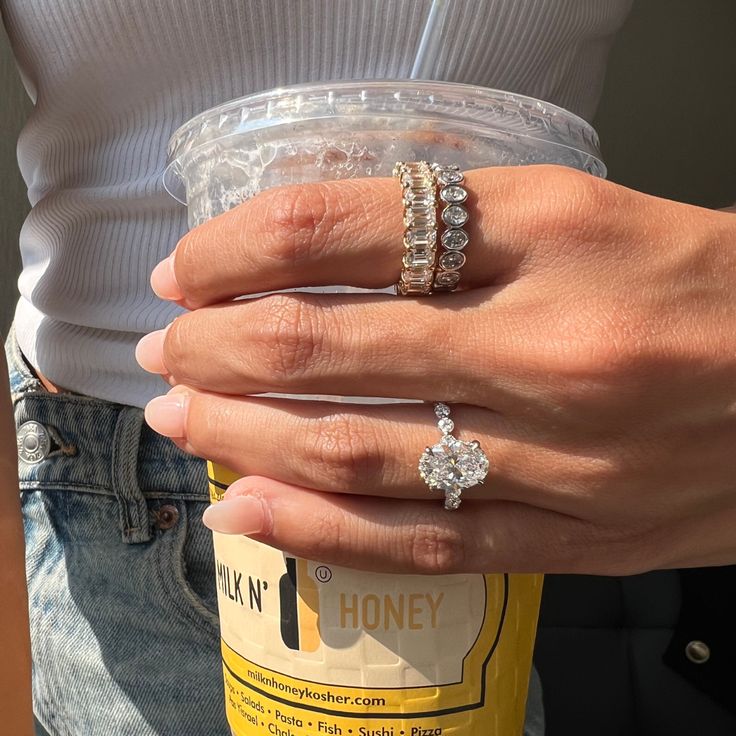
(46,486)
(134,521)
(50,486)
(206,623)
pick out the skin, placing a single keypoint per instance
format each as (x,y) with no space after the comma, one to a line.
(15,673)
(592,354)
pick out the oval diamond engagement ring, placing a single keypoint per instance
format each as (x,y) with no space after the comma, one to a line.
(452,465)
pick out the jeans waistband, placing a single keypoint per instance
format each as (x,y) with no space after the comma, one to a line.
(100,447)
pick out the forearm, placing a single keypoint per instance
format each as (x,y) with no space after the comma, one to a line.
(15,663)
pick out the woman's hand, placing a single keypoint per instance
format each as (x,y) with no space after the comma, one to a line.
(593,356)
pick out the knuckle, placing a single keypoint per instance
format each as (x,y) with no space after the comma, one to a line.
(295,337)
(326,535)
(186,260)
(566,202)
(212,427)
(345,452)
(177,346)
(297,219)
(433,549)
(193,251)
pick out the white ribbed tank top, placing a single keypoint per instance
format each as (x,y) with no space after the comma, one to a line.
(112,79)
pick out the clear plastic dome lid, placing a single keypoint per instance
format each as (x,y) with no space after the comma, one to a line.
(475,110)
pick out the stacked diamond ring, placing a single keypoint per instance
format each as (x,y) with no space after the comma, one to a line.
(420,223)
(423,272)
(454,215)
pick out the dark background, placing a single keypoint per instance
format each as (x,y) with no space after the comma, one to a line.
(667,118)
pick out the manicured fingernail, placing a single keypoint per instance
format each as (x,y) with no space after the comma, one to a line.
(163,280)
(149,352)
(238,515)
(167,415)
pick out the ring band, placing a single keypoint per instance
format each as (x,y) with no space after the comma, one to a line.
(454,216)
(420,227)
(452,465)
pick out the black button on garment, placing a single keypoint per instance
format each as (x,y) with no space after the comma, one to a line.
(34,443)
(166,517)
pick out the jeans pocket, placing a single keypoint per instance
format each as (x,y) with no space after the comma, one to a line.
(187,561)
(129,625)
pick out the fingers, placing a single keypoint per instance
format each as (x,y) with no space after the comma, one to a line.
(324,445)
(349,345)
(405,536)
(346,448)
(350,232)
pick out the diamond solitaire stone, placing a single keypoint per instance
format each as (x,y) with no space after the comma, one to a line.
(452,465)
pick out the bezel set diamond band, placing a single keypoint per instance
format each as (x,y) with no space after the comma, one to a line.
(454,215)
(423,271)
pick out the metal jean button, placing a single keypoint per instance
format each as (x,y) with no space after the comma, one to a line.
(698,652)
(34,443)
(166,517)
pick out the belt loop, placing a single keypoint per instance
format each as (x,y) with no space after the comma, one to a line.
(135,525)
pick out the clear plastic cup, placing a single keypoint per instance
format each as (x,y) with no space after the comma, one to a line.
(341,130)
(316,649)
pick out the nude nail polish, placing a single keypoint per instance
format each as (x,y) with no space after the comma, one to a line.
(163,280)
(167,415)
(149,352)
(239,515)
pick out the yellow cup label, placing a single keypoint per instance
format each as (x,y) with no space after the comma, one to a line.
(309,648)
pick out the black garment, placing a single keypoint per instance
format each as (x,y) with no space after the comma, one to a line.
(708,615)
(611,654)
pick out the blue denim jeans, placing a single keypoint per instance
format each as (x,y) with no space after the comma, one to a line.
(121,573)
(120,570)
